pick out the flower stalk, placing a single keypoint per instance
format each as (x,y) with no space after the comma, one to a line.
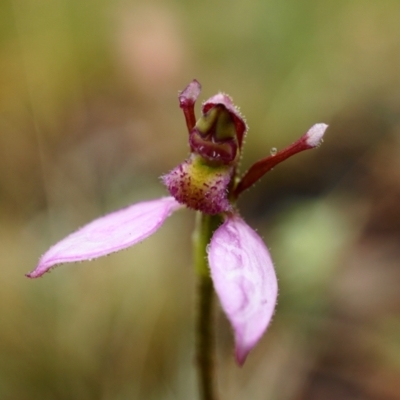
(205,340)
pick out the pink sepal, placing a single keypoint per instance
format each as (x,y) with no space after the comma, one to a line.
(108,234)
(245,281)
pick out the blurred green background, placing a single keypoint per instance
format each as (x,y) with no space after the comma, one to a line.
(89,120)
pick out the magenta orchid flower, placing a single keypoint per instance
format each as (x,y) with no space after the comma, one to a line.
(240,264)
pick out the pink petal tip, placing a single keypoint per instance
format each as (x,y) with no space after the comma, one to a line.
(315,134)
(189,95)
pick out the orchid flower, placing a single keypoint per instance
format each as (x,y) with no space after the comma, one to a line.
(207,181)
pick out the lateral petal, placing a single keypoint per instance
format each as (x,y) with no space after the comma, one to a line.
(108,234)
(245,281)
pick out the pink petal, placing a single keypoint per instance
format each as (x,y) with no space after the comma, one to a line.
(245,281)
(105,235)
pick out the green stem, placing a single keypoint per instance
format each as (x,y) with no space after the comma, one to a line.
(205,226)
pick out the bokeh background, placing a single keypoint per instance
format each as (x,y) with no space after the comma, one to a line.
(89,120)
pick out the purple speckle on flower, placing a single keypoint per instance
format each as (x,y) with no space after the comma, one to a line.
(199,187)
